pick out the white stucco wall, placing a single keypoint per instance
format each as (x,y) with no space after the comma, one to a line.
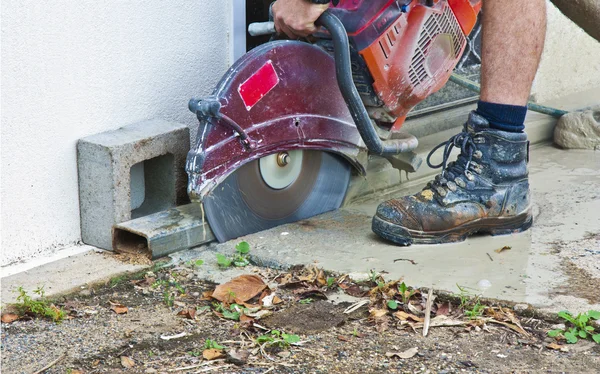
(75,68)
(570,62)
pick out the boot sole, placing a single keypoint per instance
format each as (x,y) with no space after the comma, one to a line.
(493,226)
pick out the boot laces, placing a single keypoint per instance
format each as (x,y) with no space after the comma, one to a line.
(462,166)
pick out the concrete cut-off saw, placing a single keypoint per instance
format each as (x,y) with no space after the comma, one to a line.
(289,121)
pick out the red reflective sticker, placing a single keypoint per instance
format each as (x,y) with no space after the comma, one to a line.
(258,85)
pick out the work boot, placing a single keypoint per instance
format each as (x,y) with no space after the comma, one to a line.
(485,190)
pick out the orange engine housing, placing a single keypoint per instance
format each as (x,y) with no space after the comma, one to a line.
(413,51)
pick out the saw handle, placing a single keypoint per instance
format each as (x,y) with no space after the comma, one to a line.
(261,28)
(343,71)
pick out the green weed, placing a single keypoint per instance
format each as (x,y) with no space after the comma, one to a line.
(392,304)
(39,308)
(405,292)
(308,300)
(330,282)
(195,263)
(170,290)
(581,327)
(469,303)
(239,259)
(211,344)
(233,312)
(276,338)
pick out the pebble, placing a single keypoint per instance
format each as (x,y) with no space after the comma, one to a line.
(521,307)
(150,370)
(359,277)
(558,326)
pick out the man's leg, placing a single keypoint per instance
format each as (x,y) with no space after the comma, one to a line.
(486,189)
(513,35)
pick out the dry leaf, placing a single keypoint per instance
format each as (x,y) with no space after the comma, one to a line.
(239,289)
(189,313)
(377,313)
(212,354)
(403,316)
(443,321)
(353,290)
(404,355)
(119,309)
(126,362)
(206,295)
(443,309)
(260,314)
(511,326)
(554,346)
(9,317)
(343,338)
(245,318)
(505,248)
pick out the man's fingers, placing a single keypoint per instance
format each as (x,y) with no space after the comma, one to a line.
(289,32)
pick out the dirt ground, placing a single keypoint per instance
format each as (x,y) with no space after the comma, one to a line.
(153,338)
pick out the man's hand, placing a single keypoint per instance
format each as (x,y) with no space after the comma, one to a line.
(296,18)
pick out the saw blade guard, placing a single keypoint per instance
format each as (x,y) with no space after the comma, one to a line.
(281,96)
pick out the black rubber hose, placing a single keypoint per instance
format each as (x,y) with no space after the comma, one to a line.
(343,71)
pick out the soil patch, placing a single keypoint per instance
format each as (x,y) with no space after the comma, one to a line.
(308,318)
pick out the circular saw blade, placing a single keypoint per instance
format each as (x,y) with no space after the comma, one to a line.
(244,203)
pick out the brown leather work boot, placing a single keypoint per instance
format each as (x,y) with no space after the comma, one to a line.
(485,190)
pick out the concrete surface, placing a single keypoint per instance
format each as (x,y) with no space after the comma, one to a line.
(75,68)
(74,273)
(555,265)
(105,164)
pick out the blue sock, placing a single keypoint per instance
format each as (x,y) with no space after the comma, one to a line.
(503,117)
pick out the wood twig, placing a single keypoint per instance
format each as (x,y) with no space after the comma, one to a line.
(428,305)
(51,364)
(196,366)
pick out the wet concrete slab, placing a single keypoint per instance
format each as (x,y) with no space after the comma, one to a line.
(554,266)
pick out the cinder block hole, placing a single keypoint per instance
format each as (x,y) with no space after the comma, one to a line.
(152,186)
(131,243)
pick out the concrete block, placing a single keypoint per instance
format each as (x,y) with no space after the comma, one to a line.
(154,152)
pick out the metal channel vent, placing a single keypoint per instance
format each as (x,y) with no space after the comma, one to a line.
(437,23)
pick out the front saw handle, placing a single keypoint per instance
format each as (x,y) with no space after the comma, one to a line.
(343,71)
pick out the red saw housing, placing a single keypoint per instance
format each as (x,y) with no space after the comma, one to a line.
(410,47)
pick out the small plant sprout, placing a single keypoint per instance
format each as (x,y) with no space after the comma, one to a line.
(195,263)
(330,282)
(405,292)
(223,260)
(40,308)
(581,327)
(308,300)
(239,259)
(211,344)
(392,304)
(276,338)
(169,291)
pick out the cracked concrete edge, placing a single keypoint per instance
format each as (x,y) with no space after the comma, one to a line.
(67,275)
